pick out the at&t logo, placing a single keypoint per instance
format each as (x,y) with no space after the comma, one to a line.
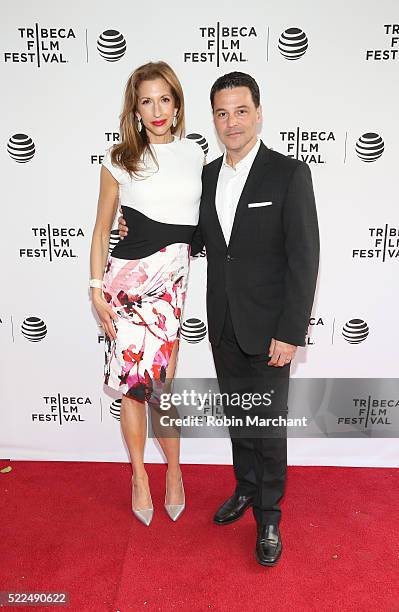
(355,331)
(34,329)
(115,409)
(113,240)
(111,45)
(193,330)
(293,44)
(200,140)
(370,147)
(21,148)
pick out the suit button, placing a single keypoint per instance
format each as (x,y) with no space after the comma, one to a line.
(229,258)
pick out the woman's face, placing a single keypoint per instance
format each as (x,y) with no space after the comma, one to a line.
(156,107)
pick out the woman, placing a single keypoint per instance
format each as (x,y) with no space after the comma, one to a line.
(155,174)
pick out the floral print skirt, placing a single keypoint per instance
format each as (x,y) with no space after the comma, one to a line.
(148,296)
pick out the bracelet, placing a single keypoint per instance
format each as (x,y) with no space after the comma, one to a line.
(95,282)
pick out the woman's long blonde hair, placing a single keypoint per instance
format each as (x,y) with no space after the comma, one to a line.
(127,153)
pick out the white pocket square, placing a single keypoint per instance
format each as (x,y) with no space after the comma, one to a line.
(258,204)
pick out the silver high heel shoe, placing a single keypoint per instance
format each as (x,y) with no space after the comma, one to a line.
(175,510)
(145,515)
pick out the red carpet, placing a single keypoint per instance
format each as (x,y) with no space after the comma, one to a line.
(68,527)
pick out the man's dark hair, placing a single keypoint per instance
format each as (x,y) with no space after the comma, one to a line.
(236,79)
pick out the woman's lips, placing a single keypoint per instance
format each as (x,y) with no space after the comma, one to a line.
(158,123)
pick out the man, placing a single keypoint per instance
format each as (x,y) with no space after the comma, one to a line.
(258,222)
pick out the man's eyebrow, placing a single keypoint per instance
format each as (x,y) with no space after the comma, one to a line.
(236,108)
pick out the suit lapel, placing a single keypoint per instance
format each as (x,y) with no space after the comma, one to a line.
(213,181)
(254,177)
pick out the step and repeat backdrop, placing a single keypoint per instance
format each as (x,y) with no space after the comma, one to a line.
(329,89)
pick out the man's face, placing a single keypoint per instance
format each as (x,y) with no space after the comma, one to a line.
(236,117)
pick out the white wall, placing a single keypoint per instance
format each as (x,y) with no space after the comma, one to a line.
(69,108)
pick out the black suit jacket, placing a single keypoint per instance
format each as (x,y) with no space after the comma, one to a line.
(268,271)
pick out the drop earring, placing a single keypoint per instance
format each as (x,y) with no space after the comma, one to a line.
(174,122)
(139,125)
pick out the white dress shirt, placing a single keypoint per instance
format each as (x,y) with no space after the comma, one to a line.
(229,187)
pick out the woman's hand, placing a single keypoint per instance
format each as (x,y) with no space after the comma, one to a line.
(105,314)
(122,226)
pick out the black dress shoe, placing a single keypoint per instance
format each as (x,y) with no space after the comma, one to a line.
(268,544)
(233,509)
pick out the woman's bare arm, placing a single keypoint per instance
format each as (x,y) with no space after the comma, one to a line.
(106,208)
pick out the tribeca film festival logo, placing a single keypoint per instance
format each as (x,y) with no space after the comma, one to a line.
(316,325)
(391,40)
(370,412)
(52,243)
(63,409)
(201,254)
(221,44)
(41,45)
(383,244)
(320,330)
(307,146)
(114,137)
(101,335)
(311,146)
(111,138)
(48,45)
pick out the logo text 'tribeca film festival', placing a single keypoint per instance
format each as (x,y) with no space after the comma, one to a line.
(220,43)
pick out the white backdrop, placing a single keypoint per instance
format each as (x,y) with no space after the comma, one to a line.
(334,105)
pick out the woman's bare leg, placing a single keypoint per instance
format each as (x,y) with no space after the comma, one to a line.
(134,428)
(170,443)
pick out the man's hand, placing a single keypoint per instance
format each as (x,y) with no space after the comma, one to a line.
(122,227)
(281,353)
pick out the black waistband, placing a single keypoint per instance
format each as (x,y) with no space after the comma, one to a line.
(147,236)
